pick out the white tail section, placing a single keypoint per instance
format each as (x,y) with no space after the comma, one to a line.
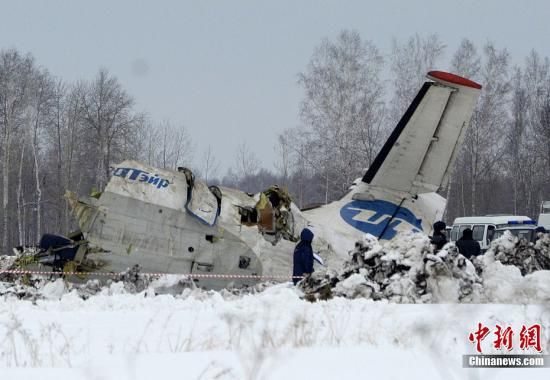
(420,153)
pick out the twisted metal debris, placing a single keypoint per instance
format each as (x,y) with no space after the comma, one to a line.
(403,271)
(528,257)
(408,270)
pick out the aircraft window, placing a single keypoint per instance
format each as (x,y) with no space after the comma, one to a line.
(454,233)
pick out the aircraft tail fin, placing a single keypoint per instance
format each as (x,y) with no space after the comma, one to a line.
(419,155)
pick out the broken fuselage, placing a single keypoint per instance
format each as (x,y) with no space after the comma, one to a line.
(167,223)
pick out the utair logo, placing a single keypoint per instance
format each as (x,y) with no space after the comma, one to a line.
(373,216)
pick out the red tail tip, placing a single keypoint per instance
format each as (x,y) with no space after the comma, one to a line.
(455,79)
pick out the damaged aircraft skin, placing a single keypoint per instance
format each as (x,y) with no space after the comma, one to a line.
(169,222)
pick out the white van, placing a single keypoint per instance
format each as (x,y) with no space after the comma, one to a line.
(486,228)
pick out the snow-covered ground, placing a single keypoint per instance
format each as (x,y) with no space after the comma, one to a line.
(269,335)
(57,331)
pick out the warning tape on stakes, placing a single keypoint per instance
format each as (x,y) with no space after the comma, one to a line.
(152,274)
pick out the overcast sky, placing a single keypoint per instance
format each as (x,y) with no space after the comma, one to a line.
(227,70)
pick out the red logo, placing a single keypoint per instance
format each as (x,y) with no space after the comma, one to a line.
(504,338)
(529,337)
(478,336)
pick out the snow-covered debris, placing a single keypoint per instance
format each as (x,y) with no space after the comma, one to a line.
(6,262)
(514,271)
(133,280)
(402,270)
(528,257)
(407,270)
(36,288)
(54,290)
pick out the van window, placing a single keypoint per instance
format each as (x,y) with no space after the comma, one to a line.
(462,228)
(478,231)
(527,234)
(454,233)
(490,233)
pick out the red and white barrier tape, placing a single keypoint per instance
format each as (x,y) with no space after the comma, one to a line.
(190,275)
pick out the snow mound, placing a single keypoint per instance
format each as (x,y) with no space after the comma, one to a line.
(407,270)
(53,290)
(528,257)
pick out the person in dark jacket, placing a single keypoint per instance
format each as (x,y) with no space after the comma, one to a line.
(303,256)
(467,245)
(439,239)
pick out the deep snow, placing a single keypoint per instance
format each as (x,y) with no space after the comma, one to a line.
(116,335)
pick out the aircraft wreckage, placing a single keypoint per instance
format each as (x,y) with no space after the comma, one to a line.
(167,221)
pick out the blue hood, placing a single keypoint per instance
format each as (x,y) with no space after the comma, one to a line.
(306,235)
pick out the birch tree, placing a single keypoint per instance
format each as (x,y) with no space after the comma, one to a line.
(342,111)
(209,164)
(39,114)
(410,61)
(108,115)
(537,83)
(465,62)
(246,165)
(484,139)
(15,78)
(519,165)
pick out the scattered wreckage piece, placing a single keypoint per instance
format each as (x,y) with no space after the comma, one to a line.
(408,271)
(401,271)
(272,215)
(528,257)
(132,281)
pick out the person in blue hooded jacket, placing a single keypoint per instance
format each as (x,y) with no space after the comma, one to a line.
(303,256)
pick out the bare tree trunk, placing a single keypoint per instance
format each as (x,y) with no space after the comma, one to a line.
(515,186)
(164,147)
(100,166)
(72,135)
(20,199)
(463,201)
(447,197)
(37,181)
(59,168)
(326,188)
(6,188)
(474,189)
